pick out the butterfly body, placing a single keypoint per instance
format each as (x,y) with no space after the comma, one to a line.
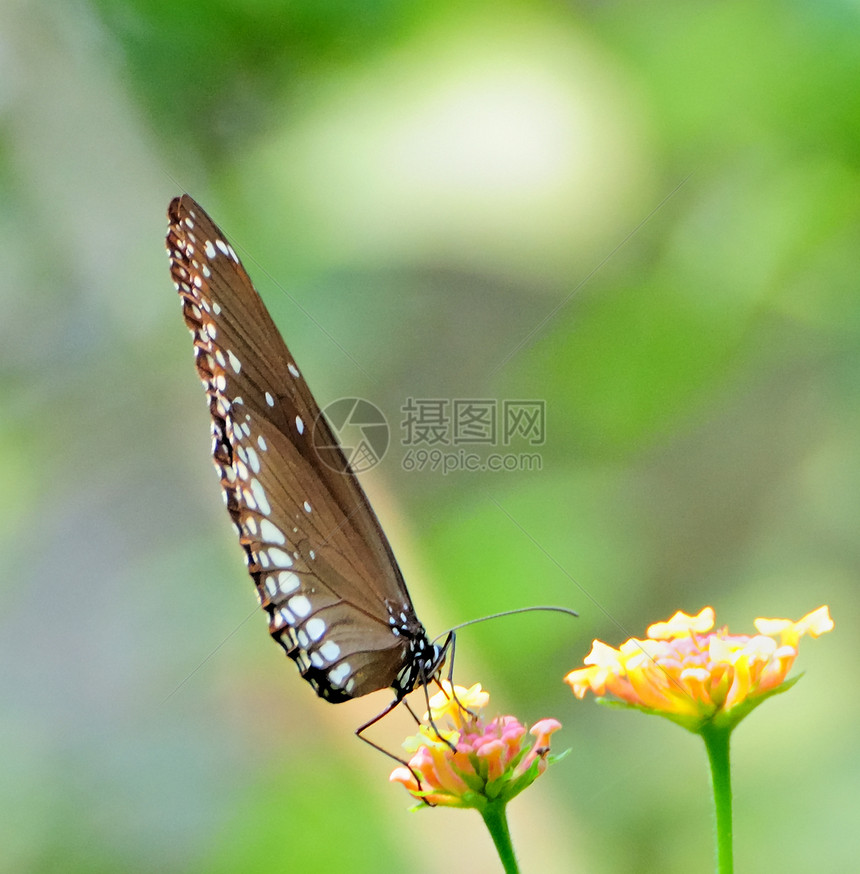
(322,567)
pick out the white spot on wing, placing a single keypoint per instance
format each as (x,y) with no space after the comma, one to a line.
(270,400)
(315,628)
(210,249)
(272,534)
(300,425)
(330,651)
(235,363)
(260,495)
(300,605)
(288,582)
(293,369)
(339,674)
(261,442)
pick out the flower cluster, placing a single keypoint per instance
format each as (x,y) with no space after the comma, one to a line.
(694,675)
(461,760)
(706,680)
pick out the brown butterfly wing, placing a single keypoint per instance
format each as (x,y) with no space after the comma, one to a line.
(323,569)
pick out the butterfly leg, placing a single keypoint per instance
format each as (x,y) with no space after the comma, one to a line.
(359,733)
(414,715)
(425,682)
(451,643)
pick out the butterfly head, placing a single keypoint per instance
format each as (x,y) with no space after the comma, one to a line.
(424,660)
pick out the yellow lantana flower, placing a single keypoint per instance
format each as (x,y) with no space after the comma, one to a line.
(692,674)
(456,703)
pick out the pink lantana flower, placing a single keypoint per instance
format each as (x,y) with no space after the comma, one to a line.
(460,759)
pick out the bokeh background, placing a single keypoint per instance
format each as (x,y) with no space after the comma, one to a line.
(646,215)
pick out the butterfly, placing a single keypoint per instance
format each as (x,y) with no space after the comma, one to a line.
(323,569)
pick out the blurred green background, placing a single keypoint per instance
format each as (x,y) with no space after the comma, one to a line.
(646,215)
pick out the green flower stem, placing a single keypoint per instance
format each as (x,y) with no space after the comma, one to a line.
(717,743)
(496,820)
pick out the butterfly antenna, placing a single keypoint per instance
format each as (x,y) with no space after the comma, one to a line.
(516,612)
